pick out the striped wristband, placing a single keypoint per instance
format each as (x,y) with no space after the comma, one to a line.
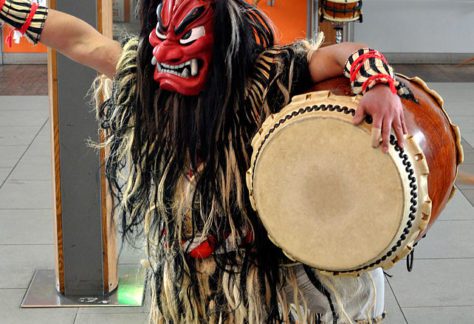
(367,68)
(26,17)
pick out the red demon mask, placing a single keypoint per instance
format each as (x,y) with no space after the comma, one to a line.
(182,45)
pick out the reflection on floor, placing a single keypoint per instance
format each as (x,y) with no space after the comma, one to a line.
(32,80)
(23,80)
(439,290)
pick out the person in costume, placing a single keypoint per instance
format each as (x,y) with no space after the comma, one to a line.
(188,95)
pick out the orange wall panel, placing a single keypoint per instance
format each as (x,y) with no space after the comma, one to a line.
(289,17)
(24,47)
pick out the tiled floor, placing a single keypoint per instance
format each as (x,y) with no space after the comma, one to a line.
(439,290)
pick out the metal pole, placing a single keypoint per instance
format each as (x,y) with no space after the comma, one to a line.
(1,43)
(312,19)
(308,18)
(349,32)
(315,19)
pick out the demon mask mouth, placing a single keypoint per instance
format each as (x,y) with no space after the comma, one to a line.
(182,45)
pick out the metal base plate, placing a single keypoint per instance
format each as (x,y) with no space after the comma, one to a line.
(130,292)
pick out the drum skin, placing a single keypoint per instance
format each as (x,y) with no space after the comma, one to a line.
(433,131)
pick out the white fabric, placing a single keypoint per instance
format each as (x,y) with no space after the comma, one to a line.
(17,36)
(356,298)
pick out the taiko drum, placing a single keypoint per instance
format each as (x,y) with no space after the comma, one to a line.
(341,10)
(330,200)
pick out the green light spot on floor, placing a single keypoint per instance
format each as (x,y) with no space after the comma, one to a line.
(130,294)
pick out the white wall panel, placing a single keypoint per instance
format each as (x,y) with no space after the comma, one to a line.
(418,26)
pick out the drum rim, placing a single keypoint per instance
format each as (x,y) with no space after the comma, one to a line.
(437,97)
(326,15)
(420,202)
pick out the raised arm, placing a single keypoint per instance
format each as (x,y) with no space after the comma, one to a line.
(69,35)
(79,41)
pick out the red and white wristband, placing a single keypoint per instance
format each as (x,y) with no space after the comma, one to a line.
(367,68)
(26,17)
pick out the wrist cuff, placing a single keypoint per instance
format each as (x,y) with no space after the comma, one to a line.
(367,67)
(19,15)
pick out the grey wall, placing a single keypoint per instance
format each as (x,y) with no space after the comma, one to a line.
(415,27)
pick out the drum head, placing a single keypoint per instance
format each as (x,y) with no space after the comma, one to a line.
(325,195)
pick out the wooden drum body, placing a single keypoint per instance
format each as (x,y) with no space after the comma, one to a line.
(330,200)
(341,10)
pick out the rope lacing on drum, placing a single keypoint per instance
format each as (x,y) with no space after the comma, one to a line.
(411,256)
(319,286)
(410,259)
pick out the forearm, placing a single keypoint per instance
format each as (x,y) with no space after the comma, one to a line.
(328,62)
(79,41)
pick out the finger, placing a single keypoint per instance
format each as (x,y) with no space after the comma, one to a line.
(398,129)
(404,125)
(386,134)
(376,136)
(377,121)
(359,115)
(376,131)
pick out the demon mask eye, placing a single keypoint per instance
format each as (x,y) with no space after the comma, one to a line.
(192,35)
(160,32)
